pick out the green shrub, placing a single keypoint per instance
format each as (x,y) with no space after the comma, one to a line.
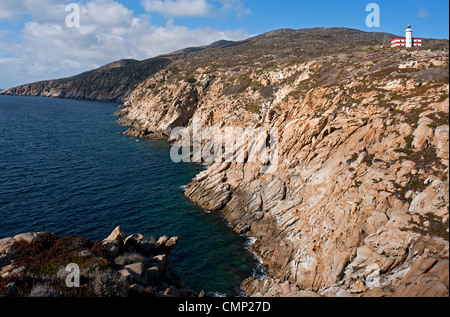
(253,108)
(190,80)
(41,290)
(129,258)
(106,284)
(46,255)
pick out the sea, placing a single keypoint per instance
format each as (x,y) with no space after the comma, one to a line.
(66,167)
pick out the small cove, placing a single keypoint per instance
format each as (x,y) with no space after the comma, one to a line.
(66,168)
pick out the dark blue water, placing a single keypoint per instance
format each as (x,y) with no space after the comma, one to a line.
(66,168)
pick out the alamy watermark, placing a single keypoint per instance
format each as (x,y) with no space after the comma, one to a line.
(372,20)
(229,144)
(374,17)
(73,18)
(73,278)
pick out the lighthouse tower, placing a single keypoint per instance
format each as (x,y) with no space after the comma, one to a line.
(409,38)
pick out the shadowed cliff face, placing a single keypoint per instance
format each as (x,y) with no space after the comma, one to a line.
(359,203)
(113,82)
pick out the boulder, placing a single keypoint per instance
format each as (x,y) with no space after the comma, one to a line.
(136,272)
(170,244)
(423,134)
(172,291)
(429,277)
(375,221)
(161,242)
(116,235)
(132,242)
(390,243)
(138,288)
(5,270)
(125,274)
(160,260)
(114,243)
(441,141)
(5,244)
(112,247)
(27,237)
(152,275)
(399,221)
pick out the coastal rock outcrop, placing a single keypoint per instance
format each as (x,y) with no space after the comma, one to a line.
(34,264)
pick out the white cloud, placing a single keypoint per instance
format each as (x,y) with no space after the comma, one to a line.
(4,33)
(9,8)
(104,13)
(192,8)
(109,31)
(235,6)
(178,8)
(40,10)
(423,14)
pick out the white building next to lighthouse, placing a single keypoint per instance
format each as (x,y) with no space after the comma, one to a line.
(408,41)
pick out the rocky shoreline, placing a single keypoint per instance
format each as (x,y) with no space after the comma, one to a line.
(34,265)
(363,178)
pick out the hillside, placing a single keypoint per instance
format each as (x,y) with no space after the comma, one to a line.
(115,81)
(359,204)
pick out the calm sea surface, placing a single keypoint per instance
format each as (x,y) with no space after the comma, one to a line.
(66,168)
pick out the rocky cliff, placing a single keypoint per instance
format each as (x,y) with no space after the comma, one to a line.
(359,203)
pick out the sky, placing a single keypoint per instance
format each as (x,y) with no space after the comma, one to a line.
(46,39)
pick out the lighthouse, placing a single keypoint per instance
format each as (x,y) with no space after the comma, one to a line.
(407,41)
(409,38)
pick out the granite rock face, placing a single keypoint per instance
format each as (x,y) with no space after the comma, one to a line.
(363,164)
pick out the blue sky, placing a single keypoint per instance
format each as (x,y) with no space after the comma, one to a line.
(37,44)
(430,18)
